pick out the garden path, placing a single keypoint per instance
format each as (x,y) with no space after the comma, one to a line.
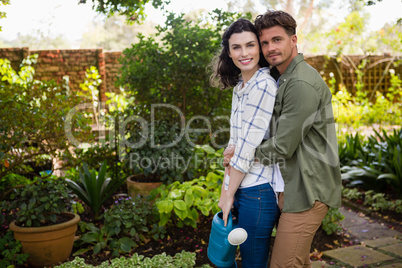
(380,245)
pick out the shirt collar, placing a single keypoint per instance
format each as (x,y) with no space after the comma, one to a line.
(296,60)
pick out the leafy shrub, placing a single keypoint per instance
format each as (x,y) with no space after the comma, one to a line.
(36,130)
(352,194)
(377,201)
(38,204)
(350,149)
(97,239)
(379,164)
(10,251)
(131,217)
(164,155)
(173,71)
(180,260)
(331,221)
(180,203)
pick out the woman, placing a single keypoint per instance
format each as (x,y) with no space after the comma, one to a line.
(248,186)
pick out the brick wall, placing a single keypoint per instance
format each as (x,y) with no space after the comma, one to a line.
(54,64)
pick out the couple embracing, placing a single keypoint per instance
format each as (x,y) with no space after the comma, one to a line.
(282,164)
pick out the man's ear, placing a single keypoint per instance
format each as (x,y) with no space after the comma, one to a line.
(294,40)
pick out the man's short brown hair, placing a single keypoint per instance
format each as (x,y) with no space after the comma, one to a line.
(273,18)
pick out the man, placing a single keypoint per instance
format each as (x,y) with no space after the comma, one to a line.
(304,142)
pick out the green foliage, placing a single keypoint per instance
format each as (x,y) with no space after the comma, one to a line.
(380,163)
(10,251)
(3,14)
(346,37)
(32,118)
(331,221)
(350,149)
(131,218)
(97,239)
(94,189)
(356,111)
(180,203)
(164,155)
(38,204)
(352,194)
(207,159)
(133,10)
(180,260)
(377,201)
(90,89)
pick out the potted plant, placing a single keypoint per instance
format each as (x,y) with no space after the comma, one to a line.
(162,159)
(43,224)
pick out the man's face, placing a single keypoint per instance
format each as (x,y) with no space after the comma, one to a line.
(278,48)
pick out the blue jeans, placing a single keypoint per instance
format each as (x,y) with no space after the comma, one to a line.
(257,212)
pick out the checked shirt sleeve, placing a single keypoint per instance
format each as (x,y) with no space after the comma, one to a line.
(254,116)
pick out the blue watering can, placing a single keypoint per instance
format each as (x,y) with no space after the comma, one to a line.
(223,241)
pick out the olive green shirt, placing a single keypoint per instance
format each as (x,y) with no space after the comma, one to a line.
(304,139)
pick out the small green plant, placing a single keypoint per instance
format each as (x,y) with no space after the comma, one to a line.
(132,218)
(352,194)
(97,239)
(180,260)
(10,251)
(38,204)
(379,163)
(180,203)
(94,189)
(331,222)
(377,201)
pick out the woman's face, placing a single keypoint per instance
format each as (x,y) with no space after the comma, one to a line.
(245,52)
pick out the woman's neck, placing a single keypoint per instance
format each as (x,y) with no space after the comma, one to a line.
(246,75)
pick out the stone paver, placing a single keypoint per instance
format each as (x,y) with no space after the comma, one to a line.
(380,242)
(357,255)
(360,226)
(393,265)
(372,231)
(395,249)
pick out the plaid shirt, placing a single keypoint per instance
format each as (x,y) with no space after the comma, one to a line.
(251,114)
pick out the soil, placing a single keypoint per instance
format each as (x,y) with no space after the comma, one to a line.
(196,240)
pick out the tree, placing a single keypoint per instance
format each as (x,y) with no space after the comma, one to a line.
(133,10)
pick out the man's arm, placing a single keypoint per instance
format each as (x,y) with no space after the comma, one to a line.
(300,102)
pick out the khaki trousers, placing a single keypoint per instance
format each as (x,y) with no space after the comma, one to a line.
(294,236)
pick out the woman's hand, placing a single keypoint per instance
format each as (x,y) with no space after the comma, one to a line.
(226,205)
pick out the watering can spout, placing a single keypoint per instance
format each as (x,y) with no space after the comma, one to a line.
(224,240)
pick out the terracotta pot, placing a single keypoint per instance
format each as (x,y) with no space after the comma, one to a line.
(47,245)
(140,188)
